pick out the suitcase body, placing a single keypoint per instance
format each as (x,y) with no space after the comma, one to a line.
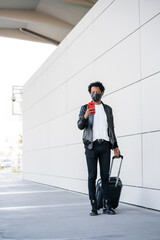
(115,187)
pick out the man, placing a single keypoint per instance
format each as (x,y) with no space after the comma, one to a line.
(98,138)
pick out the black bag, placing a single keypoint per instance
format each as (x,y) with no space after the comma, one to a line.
(115,187)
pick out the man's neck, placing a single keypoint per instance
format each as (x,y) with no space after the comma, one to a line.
(97,103)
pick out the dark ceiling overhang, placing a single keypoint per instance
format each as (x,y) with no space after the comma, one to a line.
(47,21)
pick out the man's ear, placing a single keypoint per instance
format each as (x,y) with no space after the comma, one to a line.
(102,93)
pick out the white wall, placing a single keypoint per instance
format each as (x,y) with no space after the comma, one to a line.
(117,43)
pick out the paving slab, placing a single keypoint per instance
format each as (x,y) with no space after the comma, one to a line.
(30,211)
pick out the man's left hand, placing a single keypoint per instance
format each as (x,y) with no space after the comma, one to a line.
(116,151)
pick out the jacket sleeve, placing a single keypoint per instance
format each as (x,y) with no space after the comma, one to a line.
(82,122)
(115,139)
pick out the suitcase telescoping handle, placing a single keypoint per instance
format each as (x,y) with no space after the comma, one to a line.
(110,170)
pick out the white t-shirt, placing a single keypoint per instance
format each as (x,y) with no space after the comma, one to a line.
(100,123)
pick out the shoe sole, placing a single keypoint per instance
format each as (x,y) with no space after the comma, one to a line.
(109,213)
(92,214)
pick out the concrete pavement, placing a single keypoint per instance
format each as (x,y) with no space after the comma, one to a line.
(29,210)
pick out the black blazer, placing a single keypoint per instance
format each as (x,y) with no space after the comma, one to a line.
(87,125)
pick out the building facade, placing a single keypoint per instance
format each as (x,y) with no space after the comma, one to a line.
(116,43)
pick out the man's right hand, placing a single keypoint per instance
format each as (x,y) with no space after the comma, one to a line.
(88,112)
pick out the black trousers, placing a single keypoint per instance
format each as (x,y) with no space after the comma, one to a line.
(102,152)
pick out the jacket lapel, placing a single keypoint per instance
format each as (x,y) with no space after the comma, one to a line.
(90,120)
(107,113)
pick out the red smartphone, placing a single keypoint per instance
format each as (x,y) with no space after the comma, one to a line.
(92,105)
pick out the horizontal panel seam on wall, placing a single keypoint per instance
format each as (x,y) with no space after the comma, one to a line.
(105,95)
(81,179)
(44,174)
(73,41)
(140,206)
(57,146)
(147,132)
(149,188)
(37,102)
(72,144)
(98,56)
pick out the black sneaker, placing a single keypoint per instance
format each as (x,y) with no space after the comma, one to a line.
(107,209)
(93,211)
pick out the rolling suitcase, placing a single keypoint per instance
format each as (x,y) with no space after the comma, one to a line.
(115,187)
